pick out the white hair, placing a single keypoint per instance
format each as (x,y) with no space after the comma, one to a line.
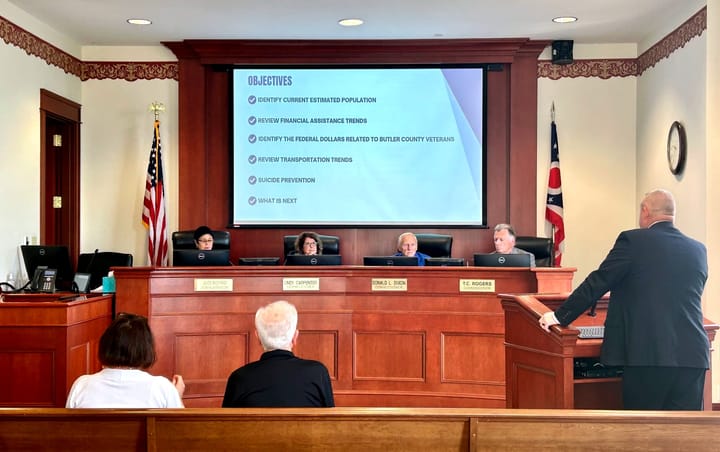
(276,324)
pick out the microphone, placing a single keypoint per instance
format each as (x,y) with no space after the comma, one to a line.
(90,265)
(592,312)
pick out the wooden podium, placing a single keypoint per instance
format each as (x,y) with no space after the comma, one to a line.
(45,344)
(540,366)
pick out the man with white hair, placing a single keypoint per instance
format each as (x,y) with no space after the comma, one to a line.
(654,324)
(279,378)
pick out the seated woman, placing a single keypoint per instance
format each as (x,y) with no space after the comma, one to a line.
(203,237)
(308,243)
(125,350)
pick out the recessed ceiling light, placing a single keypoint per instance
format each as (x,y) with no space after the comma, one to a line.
(564,19)
(139,21)
(350,22)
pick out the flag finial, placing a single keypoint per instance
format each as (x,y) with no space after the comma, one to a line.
(157,107)
(552,112)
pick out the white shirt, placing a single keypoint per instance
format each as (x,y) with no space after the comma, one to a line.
(123,388)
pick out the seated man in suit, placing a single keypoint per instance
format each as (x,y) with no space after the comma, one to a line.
(504,238)
(279,378)
(407,245)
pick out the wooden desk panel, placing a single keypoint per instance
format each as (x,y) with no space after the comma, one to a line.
(430,344)
(46,344)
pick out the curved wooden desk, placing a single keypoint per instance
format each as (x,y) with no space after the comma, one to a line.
(409,336)
(539,365)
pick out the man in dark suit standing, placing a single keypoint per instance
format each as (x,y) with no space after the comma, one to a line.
(279,378)
(654,325)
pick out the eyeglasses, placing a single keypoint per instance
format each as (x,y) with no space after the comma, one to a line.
(206,241)
(310,244)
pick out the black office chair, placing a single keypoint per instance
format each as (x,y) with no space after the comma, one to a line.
(435,245)
(331,244)
(98,264)
(541,247)
(183,240)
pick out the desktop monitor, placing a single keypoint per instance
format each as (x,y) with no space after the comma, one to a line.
(391,261)
(315,259)
(445,262)
(50,256)
(259,261)
(204,258)
(502,260)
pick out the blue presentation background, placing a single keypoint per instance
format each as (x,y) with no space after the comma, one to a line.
(387,182)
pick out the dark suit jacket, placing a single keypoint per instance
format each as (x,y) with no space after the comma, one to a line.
(279,379)
(656,277)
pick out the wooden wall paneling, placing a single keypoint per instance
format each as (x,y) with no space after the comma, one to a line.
(204,133)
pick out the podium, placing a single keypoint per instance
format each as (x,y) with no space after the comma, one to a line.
(46,342)
(540,366)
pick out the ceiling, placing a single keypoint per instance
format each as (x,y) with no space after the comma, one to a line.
(103,22)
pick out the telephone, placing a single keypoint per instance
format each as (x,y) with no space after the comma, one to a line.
(43,279)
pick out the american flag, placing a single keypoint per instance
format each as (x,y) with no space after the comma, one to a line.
(153,213)
(554,204)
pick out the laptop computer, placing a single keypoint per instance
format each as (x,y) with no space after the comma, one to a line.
(315,259)
(391,261)
(204,258)
(259,261)
(501,260)
(445,262)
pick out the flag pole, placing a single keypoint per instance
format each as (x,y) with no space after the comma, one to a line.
(552,225)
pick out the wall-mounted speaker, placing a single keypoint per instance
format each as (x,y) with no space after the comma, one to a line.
(562,52)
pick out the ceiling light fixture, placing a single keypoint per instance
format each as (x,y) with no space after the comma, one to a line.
(350,22)
(139,21)
(564,19)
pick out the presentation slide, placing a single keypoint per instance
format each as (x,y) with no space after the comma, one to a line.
(390,146)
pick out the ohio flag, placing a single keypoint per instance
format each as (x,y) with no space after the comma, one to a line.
(554,204)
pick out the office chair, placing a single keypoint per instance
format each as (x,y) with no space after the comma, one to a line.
(331,244)
(435,245)
(98,264)
(183,240)
(541,247)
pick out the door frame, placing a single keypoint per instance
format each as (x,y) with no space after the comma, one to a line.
(58,107)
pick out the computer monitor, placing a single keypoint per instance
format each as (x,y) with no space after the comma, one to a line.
(502,260)
(445,262)
(391,261)
(315,259)
(204,258)
(50,256)
(259,261)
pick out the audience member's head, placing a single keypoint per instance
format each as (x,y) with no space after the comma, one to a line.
(276,326)
(504,238)
(127,343)
(407,244)
(203,237)
(308,243)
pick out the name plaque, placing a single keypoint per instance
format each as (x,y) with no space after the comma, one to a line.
(213,284)
(477,285)
(392,284)
(301,284)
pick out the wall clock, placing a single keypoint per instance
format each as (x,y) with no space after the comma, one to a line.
(676,148)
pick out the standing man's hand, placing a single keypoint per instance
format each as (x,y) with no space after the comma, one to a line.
(547,320)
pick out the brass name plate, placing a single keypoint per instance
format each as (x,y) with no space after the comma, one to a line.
(213,284)
(394,284)
(301,283)
(477,285)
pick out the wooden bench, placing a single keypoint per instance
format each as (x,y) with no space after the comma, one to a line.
(356,429)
